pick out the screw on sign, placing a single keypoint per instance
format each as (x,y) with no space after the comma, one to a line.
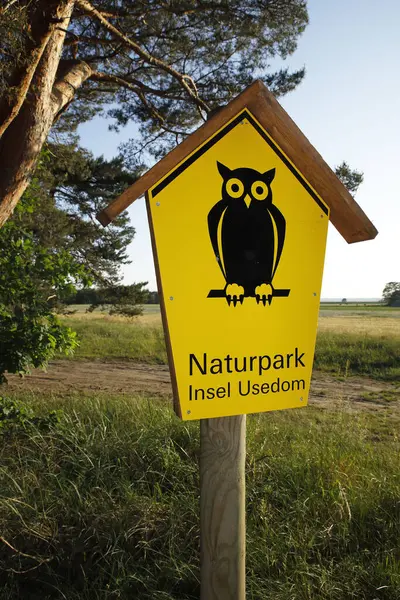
(238,216)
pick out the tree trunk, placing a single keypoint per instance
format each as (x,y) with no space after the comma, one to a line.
(72,75)
(22,142)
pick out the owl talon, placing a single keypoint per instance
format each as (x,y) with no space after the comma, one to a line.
(264,293)
(234,293)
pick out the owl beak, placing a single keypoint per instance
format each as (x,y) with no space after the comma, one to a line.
(247,199)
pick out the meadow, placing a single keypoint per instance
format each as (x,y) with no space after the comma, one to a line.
(99,495)
(349,342)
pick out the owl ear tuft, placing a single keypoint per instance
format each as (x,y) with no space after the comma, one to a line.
(268,176)
(224,171)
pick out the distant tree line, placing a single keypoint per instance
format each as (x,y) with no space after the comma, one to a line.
(153,298)
(104,296)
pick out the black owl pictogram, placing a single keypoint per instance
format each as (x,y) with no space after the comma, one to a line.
(247,233)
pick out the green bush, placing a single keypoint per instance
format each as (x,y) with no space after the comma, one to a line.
(16,416)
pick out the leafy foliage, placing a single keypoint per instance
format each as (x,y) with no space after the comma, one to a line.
(97,296)
(52,245)
(124,300)
(31,276)
(391,293)
(16,416)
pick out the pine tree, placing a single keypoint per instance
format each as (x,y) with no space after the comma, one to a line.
(162,64)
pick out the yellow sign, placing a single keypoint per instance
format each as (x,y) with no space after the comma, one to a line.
(239,237)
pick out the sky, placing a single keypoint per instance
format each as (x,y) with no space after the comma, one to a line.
(348,107)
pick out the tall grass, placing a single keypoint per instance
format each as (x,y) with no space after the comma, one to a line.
(348,353)
(342,353)
(104,504)
(122,339)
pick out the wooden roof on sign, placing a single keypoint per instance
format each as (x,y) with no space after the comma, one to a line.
(345,214)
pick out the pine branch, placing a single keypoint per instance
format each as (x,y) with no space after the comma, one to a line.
(139,90)
(184,80)
(133,84)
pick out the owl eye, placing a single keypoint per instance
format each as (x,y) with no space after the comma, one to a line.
(235,187)
(259,190)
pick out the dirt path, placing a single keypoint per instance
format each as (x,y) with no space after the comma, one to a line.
(97,376)
(354,393)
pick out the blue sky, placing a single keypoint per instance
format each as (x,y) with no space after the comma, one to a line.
(348,107)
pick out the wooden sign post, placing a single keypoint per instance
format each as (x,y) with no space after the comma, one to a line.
(222,508)
(238,217)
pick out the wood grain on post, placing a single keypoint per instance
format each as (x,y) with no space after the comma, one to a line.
(222,508)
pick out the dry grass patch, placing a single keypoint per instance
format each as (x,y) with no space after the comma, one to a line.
(364,325)
(151,315)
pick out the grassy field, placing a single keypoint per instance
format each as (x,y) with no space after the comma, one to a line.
(359,306)
(99,494)
(101,338)
(347,344)
(101,502)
